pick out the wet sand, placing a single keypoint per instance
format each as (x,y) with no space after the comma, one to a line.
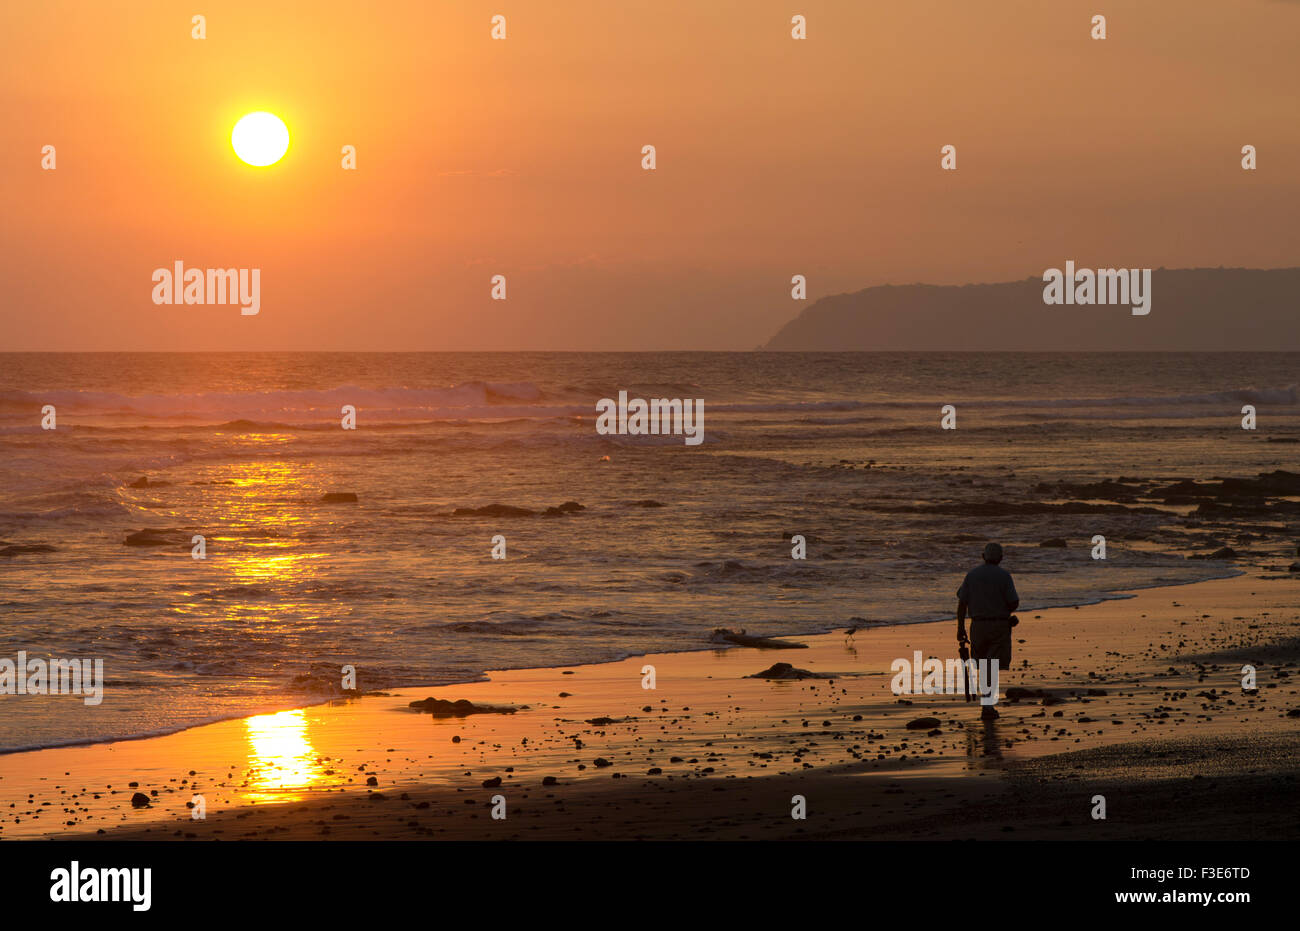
(1144,706)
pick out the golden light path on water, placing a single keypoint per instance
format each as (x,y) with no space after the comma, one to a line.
(283,764)
(260,514)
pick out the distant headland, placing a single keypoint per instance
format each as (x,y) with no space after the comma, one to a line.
(1193,309)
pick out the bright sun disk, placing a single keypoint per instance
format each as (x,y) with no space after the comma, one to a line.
(260,138)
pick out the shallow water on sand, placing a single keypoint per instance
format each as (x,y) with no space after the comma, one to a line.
(674,540)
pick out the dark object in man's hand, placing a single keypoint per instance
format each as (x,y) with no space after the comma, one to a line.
(1014,620)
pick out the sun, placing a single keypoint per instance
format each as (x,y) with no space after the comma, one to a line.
(260,138)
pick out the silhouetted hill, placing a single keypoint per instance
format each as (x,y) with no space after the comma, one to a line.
(1191,309)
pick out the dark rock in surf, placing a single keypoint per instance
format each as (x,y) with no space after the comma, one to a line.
(149,537)
(494,510)
(1003,508)
(139,800)
(18,549)
(1184,489)
(144,482)
(1277,482)
(1107,490)
(568,507)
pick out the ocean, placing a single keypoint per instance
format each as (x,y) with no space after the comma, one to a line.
(672,540)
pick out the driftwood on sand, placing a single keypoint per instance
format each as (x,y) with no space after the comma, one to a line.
(741,639)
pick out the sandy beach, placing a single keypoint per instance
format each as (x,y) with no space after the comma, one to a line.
(1141,702)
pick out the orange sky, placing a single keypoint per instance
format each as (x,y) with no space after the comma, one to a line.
(480,157)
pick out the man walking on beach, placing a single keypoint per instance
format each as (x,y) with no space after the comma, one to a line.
(990,596)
